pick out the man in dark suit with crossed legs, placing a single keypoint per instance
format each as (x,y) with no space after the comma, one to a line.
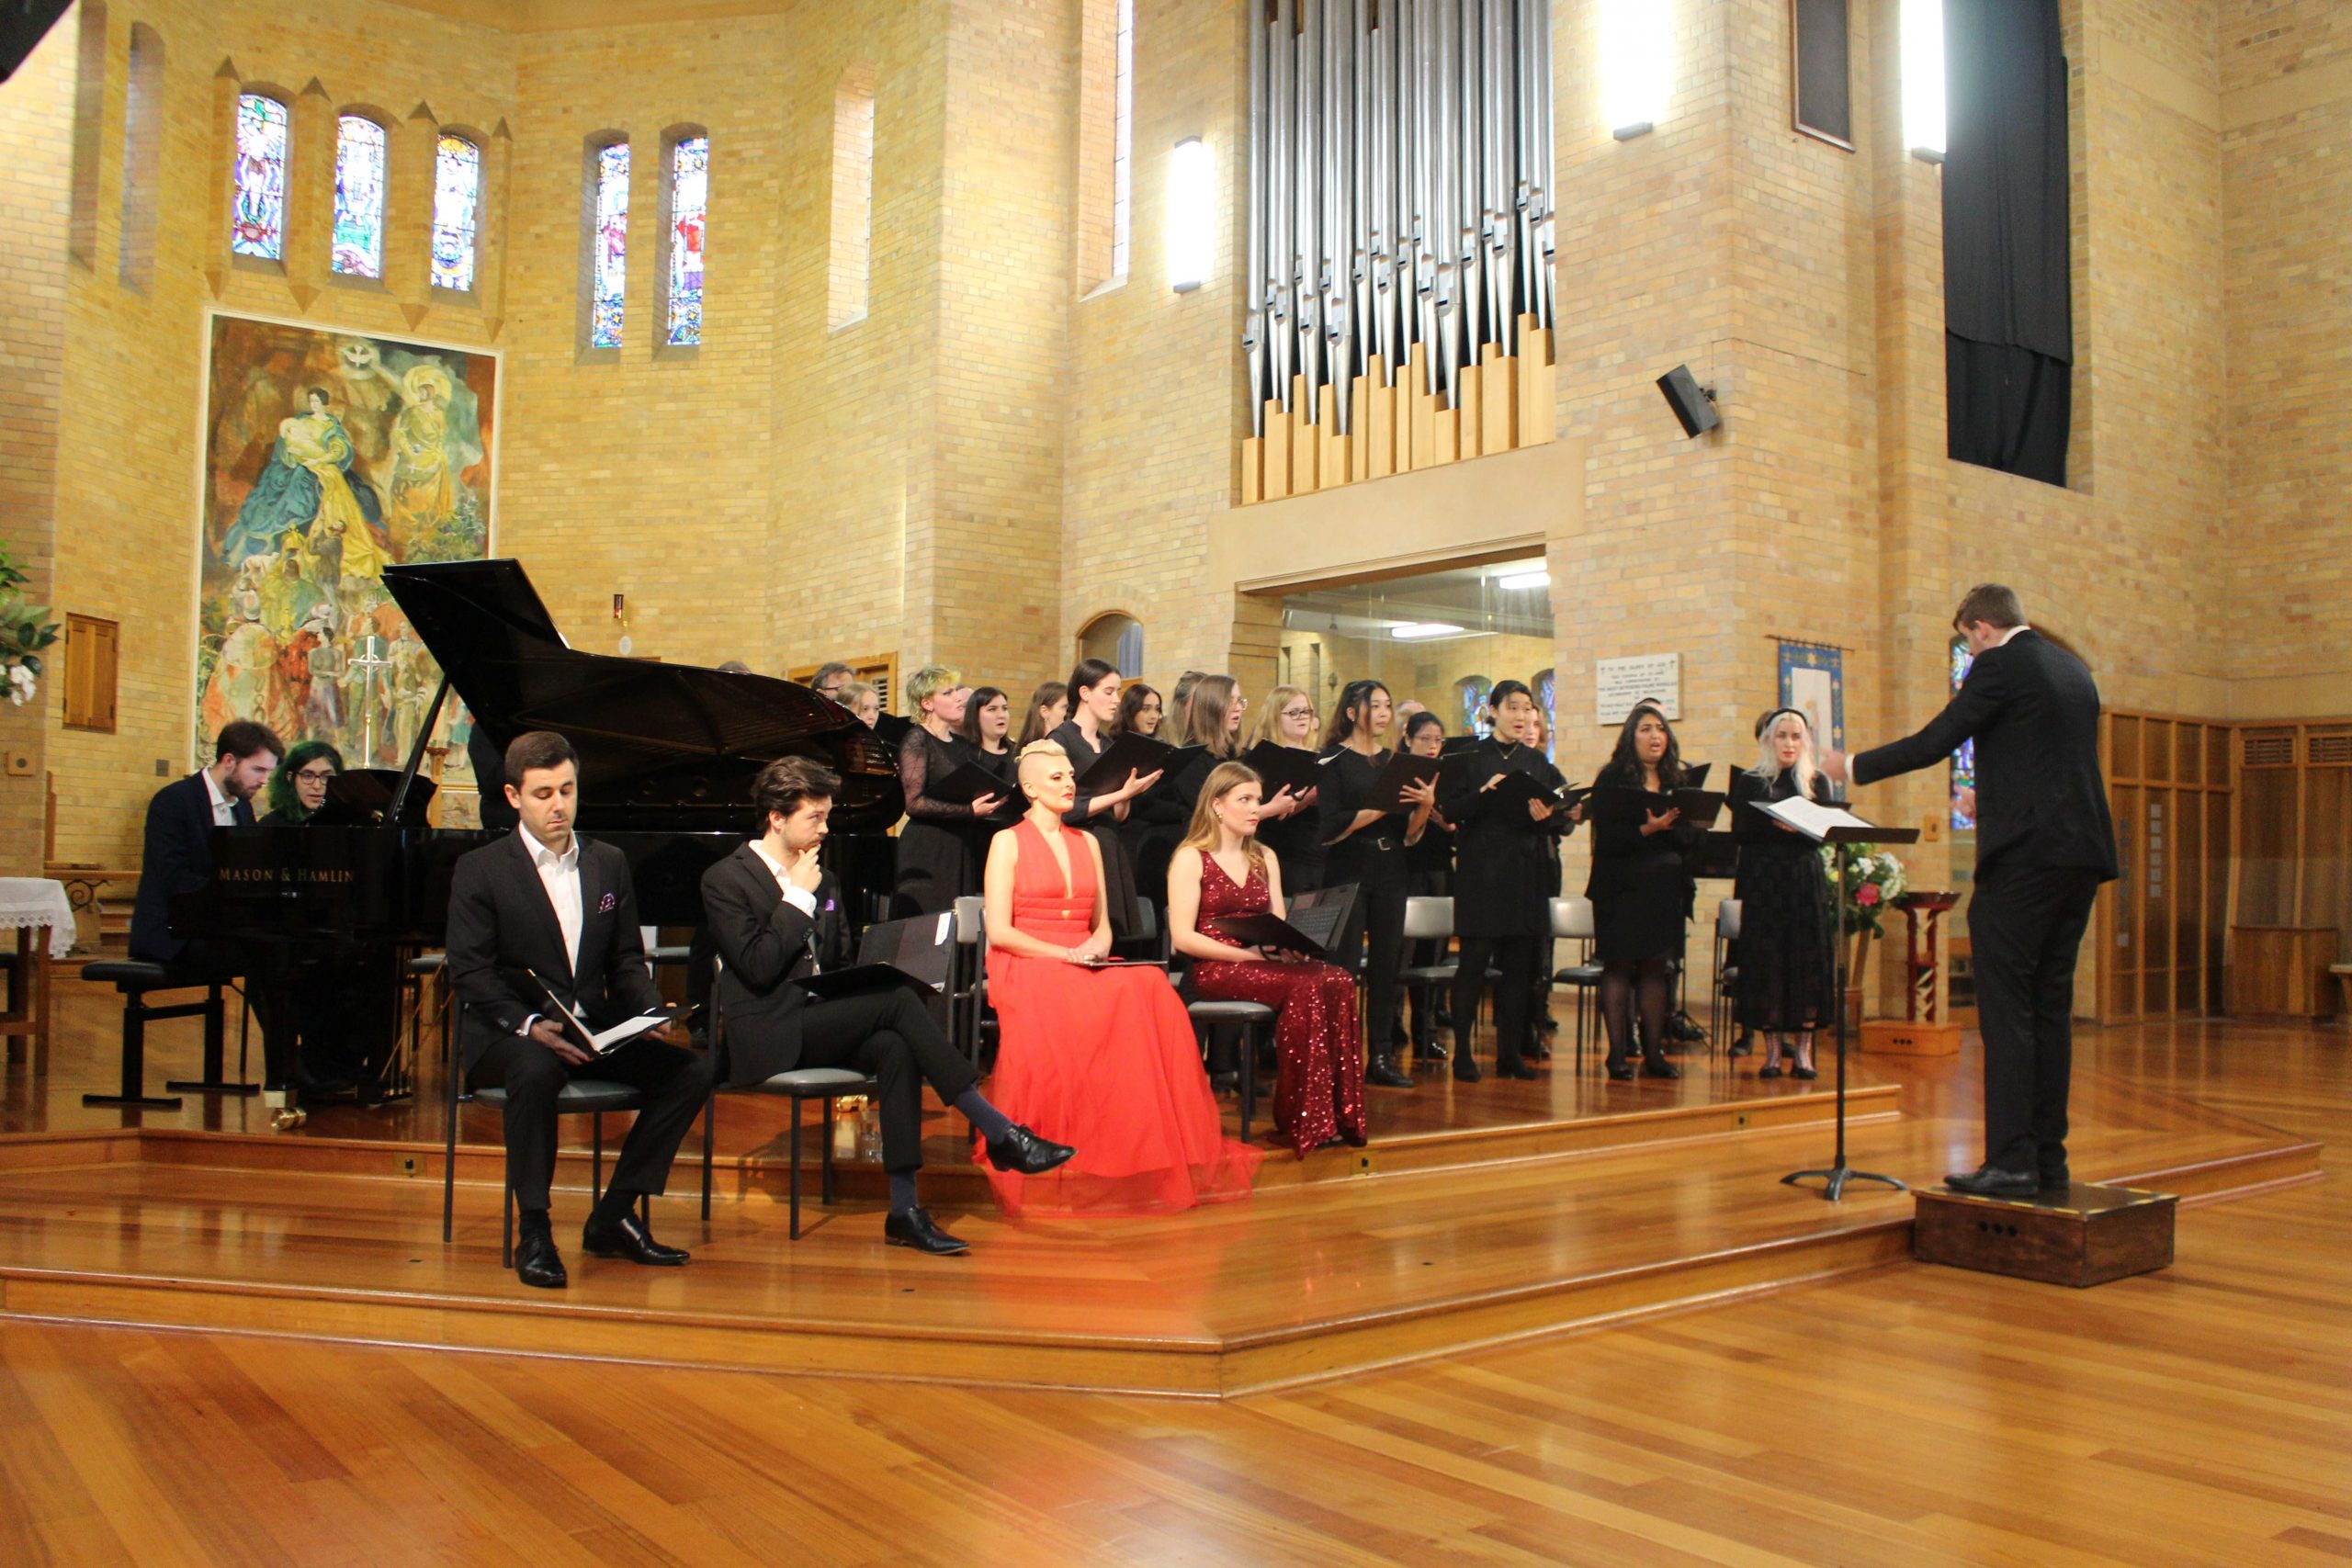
(544,899)
(2044,842)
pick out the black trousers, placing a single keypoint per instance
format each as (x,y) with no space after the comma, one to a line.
(675,1083)
(1519,961)
(890,1035)
(322,1018)
(1377,930)
(2024,926)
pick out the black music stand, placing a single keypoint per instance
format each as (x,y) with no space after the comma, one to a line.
(1839,1173)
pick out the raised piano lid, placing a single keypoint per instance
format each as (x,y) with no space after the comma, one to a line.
(660,745)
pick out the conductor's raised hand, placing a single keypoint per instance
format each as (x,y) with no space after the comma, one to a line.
(550,1033)
(1833,765)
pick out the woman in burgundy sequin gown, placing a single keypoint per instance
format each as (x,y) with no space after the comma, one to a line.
(1221,870)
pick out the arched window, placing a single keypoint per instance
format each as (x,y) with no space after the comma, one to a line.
(1116,639)
(1963,762)
(257,211)
(689,202)
(358,198)
(608,245)
(1546,692)
(1470,704)
(457,197)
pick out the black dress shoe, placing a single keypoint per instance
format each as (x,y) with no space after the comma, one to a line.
(1432,1051)
(537,1262)
(1466,1068)
(1384,1072)
(1622,1071)
(1515,1070)
(2057,1181)
(1354,1140)
(1023,1151)
(913,1228)
(1659,1068)
(627,1237)
(1991,1181)
(1743,1047)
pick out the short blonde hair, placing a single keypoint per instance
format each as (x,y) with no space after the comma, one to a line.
(931,680)
(1039,751)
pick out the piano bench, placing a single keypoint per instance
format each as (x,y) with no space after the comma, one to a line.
(135,978)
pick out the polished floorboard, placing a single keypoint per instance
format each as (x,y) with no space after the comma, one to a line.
(1910,1415)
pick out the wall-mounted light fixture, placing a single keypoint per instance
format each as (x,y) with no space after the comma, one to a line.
(1516,581)
(1923,79)
(1636,64)
(1413,631)
(1192,214)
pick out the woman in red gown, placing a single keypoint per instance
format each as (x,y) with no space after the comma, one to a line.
(1101,1058)
(1221,870)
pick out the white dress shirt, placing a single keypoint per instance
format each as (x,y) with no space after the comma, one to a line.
(224,810)
(2011,633)
(559,875)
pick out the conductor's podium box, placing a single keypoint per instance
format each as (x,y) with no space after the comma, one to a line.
(1902,1037)
(2081,1236)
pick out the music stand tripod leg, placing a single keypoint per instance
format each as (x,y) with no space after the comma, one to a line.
(1834,1179)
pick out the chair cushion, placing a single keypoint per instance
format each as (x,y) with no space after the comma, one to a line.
(1426,974)
(1229,1012)
(667,955)
(136,975)
(1577,975)
(580,1094)
(425,964)
(807,1083)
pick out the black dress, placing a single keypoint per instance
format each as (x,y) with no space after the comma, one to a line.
(943,847)
(1784,911)
(1155,824)
(1374,860)
(1118,867)
(1503,881)
(1640,889)
(1297,842)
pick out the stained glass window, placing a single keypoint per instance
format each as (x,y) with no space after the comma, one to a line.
(257,214)
(359,197)
(608,262)
(689,198)
(457,193)
(1546,698)
(1470,703)
(1963,762)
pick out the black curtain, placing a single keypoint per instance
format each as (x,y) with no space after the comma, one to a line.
(2008,332)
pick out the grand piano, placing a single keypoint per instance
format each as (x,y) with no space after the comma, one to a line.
(667,756)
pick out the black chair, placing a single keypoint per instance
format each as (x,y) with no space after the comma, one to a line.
(135,978)
(419,970)
(1572,921)
(970,1023)
(589,1096)
(1723,1015)
(1428,918)
(1253,1024)
(799,1087)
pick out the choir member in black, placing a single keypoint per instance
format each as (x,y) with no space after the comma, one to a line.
(1139,711)
(1502,903)
(1289,720)
(1744,1046)
(1049,707)
(1094,704)
(1641,894)
(1180,697)
(1367,842)
(988,720)
(1428,863)
(563,907)
(945,843)
(1784,910)
(863,698)
(1539,1045)
(299,786)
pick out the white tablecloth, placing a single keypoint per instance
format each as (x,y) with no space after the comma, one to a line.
(36,901)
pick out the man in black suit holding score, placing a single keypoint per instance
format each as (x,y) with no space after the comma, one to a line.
(544,899)
(2044,842)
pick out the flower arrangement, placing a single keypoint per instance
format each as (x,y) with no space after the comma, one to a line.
(25,630)
(1875,880)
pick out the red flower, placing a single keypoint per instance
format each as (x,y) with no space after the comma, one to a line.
(1867,894)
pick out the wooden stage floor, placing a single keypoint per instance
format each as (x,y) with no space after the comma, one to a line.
(1481,1215)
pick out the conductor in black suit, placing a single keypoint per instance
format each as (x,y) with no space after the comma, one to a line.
(545,899)
(775,917)
(2044,842)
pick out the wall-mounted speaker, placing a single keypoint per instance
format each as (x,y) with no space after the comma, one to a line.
(1692,405)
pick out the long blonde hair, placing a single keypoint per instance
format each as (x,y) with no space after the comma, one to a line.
(1768,761)
(1269,718)
(1223,780)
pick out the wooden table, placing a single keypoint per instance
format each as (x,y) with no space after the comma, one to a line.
(38,911)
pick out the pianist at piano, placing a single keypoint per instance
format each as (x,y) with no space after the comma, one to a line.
(564,908)
(292,1000)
